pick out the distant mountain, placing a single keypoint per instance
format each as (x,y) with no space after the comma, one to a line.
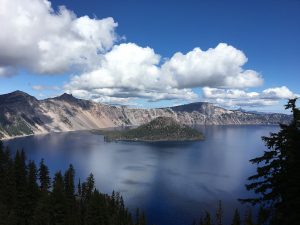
(158,129)
(22,114)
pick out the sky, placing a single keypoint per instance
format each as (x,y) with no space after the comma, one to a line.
(234,53)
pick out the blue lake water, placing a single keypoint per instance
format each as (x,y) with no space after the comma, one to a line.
(172,182)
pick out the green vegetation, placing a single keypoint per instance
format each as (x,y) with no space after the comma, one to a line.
(159,129)
(18,128)
(277,181)
(28,197)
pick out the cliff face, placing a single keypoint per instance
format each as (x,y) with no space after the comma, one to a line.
(22,114)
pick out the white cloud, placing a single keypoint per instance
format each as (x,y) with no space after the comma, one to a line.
(217,67)
(214,93)
(236,97)
(35,37)
(138,72)
(278,93)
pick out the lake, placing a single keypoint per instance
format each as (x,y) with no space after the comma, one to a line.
(172,182)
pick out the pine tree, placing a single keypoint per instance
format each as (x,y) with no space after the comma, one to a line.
(33,190)
(94,214)
(248,217)
(56,205)
(194,222)
(201,222)
(137,217)
(219,214)
(41,215)
(90,185)
(21,207)
(277,180)
(3,207)
(58,201)
(207,219)
(236,218)
(71,210)
(44,177)
(8,190)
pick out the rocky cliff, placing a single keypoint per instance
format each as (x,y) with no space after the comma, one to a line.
(22,114)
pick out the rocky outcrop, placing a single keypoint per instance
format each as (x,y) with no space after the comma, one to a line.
(22,114)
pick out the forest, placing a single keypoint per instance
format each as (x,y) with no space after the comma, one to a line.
(29,196)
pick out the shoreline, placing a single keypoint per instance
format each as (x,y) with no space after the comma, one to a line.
(53,132)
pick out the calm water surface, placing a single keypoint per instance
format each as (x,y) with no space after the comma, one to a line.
(172,182)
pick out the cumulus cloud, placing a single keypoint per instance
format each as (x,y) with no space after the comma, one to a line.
(35,37)
(217,67)
(278,93)
(236,97)
(128,71)
(134,71)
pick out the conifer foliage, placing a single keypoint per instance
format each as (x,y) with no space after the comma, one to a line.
(277,181)
(29,197)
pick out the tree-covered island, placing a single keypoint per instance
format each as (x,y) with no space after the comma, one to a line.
(159,129)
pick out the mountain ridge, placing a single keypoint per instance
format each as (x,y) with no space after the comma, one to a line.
(22,114)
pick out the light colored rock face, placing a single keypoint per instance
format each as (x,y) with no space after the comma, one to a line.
(22,114)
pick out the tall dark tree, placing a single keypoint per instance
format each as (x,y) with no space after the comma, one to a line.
(94,213)
(71,211)
(277,180)
(236,218)
(32,190)
(207,219)
(262,216)
(7,189)
(219,214)
(248,218)
(21,207)
(41,214)
(58,201)
(44,177)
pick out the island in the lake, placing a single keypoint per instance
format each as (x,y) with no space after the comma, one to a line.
(159,129)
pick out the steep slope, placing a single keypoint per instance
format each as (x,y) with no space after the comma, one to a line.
(22,114)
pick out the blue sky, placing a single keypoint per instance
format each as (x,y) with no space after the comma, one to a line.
(266,32)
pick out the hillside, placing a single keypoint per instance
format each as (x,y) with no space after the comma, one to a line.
(22,114)
(159,129)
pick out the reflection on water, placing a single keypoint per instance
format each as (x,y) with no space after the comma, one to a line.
(172,182)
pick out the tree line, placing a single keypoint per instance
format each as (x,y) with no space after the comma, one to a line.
(28,196)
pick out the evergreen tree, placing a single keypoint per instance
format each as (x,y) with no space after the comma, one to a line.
(201,222)
(219,214)
(21,206)
(90,185)
(44,177)
(94,214)
(58,201)
(137,217)
(71,212)
(7,189)
(277,179)
(194,222)
(56,205)
(236,218)
(41,214)
(207,219)
(33,190)
(248,217)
